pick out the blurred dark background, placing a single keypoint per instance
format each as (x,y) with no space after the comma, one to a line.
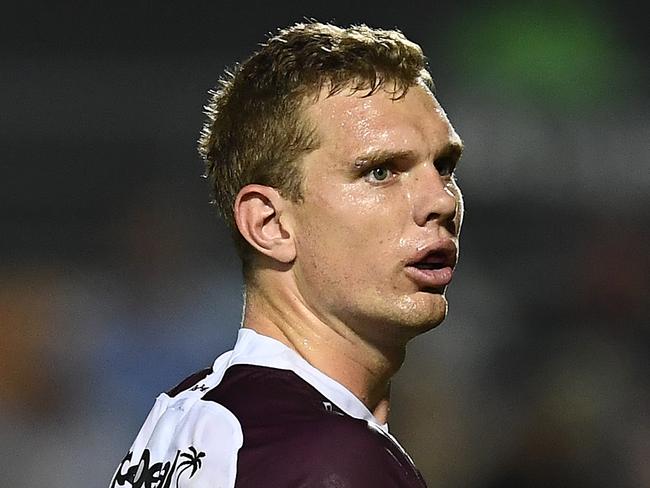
(117,279)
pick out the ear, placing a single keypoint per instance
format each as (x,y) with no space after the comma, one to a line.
(261,220)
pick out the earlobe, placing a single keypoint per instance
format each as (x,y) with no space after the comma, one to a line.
(259,215)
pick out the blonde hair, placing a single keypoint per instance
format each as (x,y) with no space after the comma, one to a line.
(255,131)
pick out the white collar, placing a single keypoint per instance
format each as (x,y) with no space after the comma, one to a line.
(260,350)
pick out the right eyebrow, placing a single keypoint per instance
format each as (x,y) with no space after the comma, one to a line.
(380,157)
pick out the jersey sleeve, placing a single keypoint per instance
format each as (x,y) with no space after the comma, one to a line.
(182,447)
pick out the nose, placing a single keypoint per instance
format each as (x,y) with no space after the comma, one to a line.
(436,198)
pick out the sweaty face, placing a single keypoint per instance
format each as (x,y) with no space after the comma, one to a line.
(377,231)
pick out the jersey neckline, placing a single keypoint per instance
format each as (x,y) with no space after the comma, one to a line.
(259,350)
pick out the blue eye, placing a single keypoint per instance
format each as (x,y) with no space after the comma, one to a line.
(379,173)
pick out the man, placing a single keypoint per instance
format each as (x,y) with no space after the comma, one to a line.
(333,164)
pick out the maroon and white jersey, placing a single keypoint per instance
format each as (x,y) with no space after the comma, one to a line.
(263,417)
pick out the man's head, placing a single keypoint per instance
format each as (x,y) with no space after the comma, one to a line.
(256,130)
(331,158)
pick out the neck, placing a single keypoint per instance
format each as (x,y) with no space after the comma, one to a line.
(329,345)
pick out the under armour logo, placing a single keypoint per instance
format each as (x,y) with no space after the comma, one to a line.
(200,388)
(329,407)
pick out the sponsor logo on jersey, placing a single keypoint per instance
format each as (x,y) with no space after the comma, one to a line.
(160,474)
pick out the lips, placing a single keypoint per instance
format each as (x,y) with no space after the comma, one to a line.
(433,266)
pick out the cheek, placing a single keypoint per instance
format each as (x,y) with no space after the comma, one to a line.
(349,243)
(354,221)
(352,228)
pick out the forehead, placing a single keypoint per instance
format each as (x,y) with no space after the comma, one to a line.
(349,124)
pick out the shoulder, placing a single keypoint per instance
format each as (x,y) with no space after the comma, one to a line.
(259,394)
(289,434)
(328,451)
(343,445)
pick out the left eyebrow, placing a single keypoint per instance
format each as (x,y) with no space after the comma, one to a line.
(453,150)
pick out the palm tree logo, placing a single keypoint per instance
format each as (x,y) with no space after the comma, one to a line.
(192,461)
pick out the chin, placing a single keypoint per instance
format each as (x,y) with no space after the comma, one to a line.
(396,320)
(429,314)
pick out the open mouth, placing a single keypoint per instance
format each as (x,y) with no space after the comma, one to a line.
(435,260)
(429,265)
(434,270)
